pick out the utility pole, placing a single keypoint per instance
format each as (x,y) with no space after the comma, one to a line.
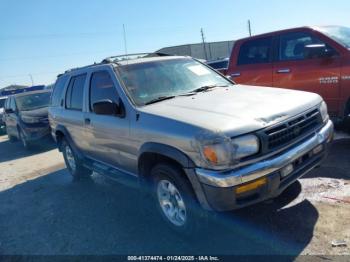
(249,28)
(203,40)
(31,79)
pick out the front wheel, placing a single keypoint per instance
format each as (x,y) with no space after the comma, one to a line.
(26,144)
(175,199)
(74,166)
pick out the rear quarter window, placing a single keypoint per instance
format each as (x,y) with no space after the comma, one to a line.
(75,93)
(58,89)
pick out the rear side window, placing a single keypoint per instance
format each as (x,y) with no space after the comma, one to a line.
(255,51)
(102,88)
(75,91)
(292,45)
(58,90)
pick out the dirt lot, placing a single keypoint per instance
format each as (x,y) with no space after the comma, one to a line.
(43,212)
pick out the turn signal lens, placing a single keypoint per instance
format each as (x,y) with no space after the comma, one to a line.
(210,155)
(251,186)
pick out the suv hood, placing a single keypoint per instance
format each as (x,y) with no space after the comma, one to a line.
(235,110)
(40,112)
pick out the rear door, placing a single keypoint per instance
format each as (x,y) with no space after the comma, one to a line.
(74,116)
(292,69)
(253,62)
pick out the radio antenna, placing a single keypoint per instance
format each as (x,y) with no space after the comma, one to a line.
(125,43)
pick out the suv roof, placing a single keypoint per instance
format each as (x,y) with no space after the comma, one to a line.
(127,59)
(279,31)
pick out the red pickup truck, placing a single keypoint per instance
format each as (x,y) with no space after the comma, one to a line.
(315,59)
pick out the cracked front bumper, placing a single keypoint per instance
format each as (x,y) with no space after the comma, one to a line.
(220,188)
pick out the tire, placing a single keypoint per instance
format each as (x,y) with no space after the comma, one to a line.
(175,200)
(74,166)
(25,143)
(12,139)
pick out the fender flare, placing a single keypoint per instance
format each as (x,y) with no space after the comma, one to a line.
(167,151)
(187,164)
(69,139)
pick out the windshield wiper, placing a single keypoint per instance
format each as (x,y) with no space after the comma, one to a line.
(159,99)
(206,88)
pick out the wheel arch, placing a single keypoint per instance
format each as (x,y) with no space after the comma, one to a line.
(61,133)
(151,154)
(157,150)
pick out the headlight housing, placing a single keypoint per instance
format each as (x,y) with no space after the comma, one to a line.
(219,152)
(324,111)
(30,120)
(245,146)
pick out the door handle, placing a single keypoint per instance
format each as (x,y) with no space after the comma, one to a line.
(283,71)
(87,121)
(235,74)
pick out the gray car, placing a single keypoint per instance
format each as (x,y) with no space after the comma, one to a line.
(26,117)
(192,138)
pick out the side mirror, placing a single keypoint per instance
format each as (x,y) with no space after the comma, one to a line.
(318,51)
(107,107)
(9,111)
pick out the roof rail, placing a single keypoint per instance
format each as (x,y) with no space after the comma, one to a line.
(82,67)
(115,59)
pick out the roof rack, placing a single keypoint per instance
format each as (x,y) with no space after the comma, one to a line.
(118,58)
(82,67)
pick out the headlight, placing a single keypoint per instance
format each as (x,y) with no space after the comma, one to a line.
(220,151)
(245,146)
(30,120)
(324,111)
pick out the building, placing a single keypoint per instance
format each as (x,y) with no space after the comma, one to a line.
(209,51)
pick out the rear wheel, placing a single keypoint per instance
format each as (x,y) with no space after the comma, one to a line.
(175,199)
(75,167)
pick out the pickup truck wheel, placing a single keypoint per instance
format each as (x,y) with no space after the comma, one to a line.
(175,199)
(75,167)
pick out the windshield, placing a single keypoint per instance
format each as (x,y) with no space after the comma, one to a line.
(33,101)
(148,81)
(337,33)
(2,102)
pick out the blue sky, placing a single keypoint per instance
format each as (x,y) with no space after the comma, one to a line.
(46,37)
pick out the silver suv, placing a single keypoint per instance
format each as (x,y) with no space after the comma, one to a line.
(176,127)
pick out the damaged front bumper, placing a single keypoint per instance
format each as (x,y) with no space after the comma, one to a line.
(265,179)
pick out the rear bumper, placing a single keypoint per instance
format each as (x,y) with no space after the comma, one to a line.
(219,188)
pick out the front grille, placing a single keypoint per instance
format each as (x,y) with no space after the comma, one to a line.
(292,130)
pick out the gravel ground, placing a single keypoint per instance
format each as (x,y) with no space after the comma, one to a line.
(43,212)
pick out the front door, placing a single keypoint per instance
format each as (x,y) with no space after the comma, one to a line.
(293,69)
(11,118)
(107,134)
